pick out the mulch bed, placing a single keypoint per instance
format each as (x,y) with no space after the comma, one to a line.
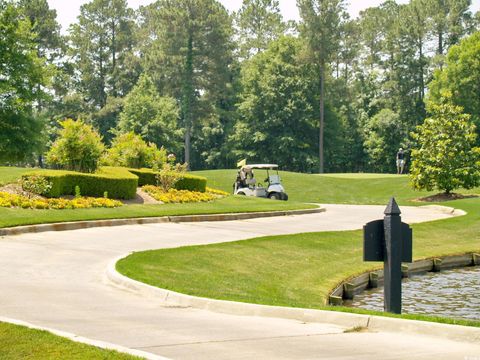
(446,197)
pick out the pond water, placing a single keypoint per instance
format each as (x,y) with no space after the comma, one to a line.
(449,293)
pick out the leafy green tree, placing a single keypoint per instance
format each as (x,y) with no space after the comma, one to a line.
(188,53)
(277,120)
(321,20)
(414,30)
(461,76)
(78,147)
(449,21)
(107,118)
(129,150)
(258,22)
(372,38)
(101,43)
(446,157)
(151,116)
(349,49)
(384,135)
(43,21)
(21,71)
(476,21)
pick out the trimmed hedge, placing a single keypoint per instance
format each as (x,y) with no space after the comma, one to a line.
(192,183)
(187,182)
(145,176)
(117,181)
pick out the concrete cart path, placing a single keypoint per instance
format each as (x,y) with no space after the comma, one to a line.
(57,280)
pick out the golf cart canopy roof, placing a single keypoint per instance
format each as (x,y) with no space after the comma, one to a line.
(261,166)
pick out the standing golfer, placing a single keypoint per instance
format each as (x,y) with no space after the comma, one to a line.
(400,161)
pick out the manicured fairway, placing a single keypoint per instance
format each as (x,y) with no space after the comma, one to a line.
(333,188)
(18,342)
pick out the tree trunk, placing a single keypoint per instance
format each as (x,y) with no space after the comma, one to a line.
(440,42)
(188,99)
(322,114)
(422,80)
(114,59)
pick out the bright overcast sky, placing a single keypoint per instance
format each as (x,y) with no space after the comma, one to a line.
(67,11)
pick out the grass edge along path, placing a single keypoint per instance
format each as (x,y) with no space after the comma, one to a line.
(10,217)
(292,270)
(20,342)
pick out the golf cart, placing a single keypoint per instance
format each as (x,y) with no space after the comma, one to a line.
(247,185)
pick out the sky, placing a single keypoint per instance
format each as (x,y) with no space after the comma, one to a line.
(67,11)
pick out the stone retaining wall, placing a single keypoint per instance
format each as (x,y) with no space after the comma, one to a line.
(372,279)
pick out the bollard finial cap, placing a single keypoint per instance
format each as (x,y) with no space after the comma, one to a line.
(392,208)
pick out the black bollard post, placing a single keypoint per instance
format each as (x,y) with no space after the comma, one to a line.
(392,266)
(389,240)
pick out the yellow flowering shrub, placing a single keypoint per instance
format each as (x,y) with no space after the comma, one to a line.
(12,200)
(177,196)
(216,191)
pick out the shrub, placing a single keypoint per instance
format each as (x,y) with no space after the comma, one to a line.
(177,196)
(216,192)
(78,194)
(36,184)
(145,176)
(78,147)
(169,175)
(118,182)
(11,200)
(129,150)
(186,181)
(167,179)
(192,183)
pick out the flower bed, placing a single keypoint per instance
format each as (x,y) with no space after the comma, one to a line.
(178,196)
(216,191)
(13,200)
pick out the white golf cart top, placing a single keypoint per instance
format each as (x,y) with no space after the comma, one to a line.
(261,166)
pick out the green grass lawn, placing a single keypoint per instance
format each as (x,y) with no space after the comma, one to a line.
(15,216)
(9,174)
(333,188)
(291,270)
(298,270)
(232,204)
(18,342)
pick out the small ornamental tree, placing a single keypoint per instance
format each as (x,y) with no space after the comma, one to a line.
(131,151)
(78,147)
(446,157)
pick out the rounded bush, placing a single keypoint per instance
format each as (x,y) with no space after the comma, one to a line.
(78,147)
(130,150)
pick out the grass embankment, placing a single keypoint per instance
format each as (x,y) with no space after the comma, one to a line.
(18,342)
(16,216)
(298,270)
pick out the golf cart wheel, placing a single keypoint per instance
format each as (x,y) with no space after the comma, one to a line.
(241,193)
(274,196)
(283,197)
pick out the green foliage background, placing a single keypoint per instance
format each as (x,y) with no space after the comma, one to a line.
(212,87)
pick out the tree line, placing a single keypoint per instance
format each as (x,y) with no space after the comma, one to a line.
(329,93)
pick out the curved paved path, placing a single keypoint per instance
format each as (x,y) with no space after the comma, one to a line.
(57,280)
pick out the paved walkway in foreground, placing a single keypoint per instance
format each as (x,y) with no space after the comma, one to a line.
(57,280)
